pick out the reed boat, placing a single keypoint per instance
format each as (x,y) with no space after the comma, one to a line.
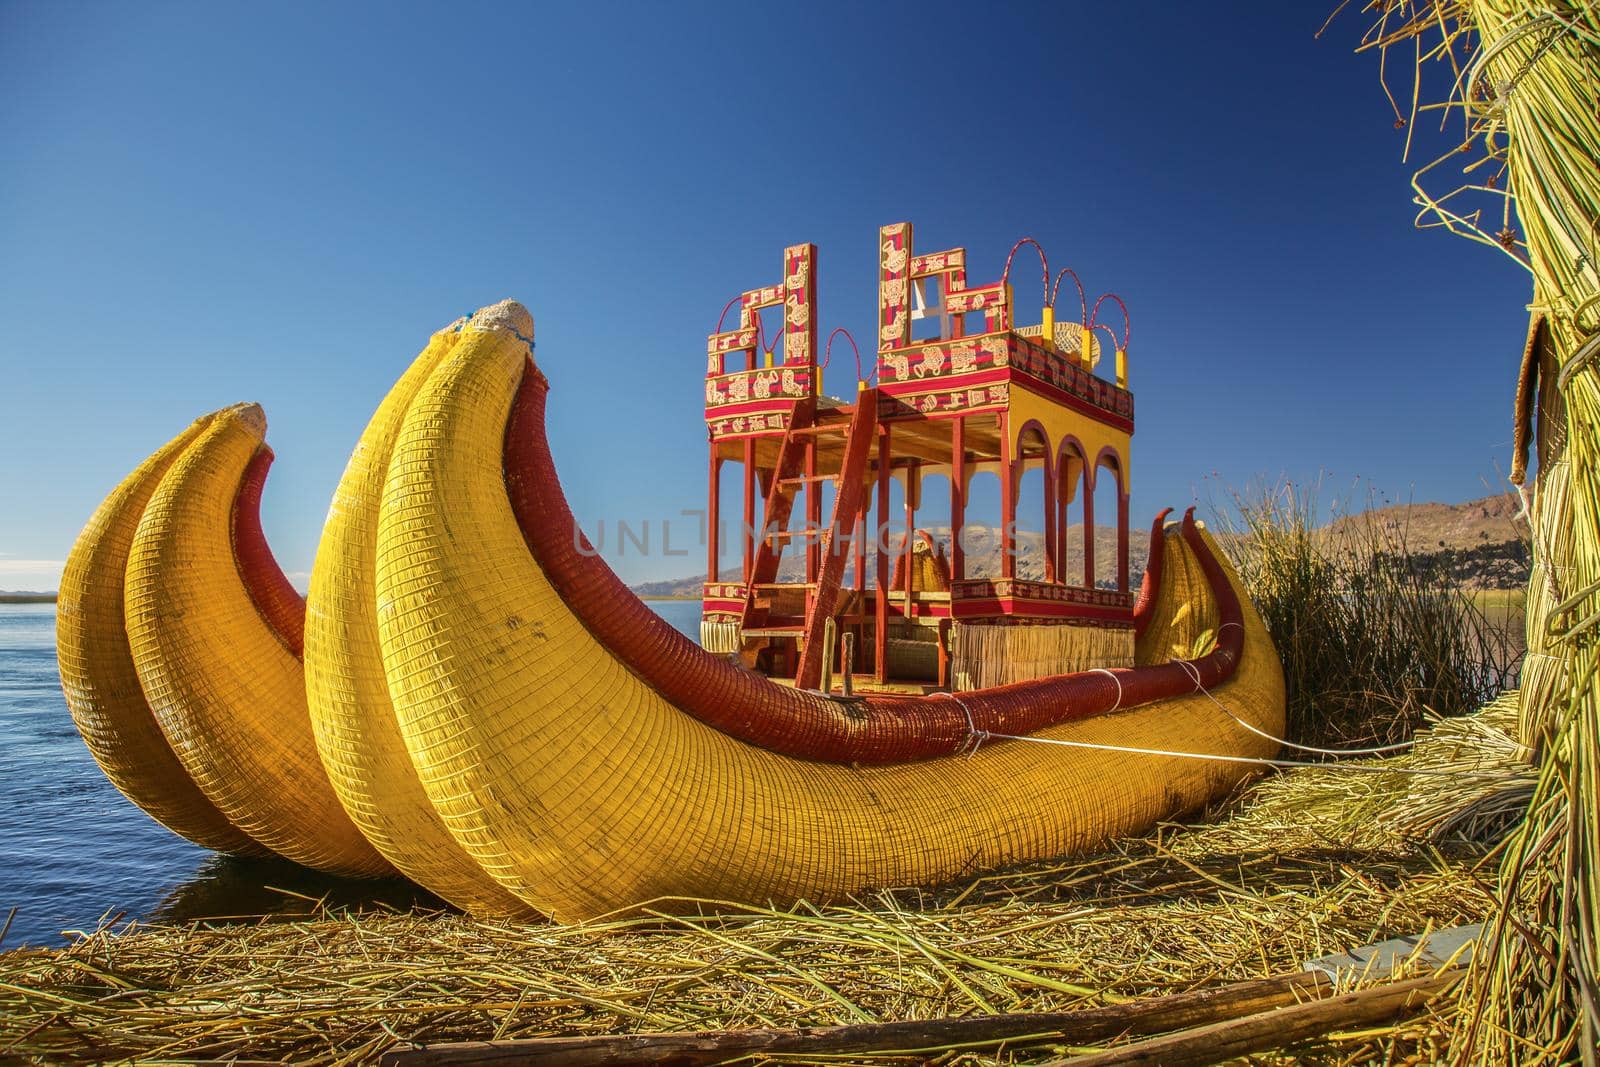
(488,710)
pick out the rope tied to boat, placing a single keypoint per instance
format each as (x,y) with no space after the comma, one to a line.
(975,737)
(1193,672)
(1112,675)
(1259,761)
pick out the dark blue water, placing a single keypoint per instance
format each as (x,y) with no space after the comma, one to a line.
(74,852)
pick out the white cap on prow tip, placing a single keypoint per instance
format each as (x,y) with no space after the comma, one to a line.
(507,315)
(250,415)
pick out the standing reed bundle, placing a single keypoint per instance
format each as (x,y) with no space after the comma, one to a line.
(1526,85)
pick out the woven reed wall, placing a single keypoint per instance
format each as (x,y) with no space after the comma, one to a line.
(720,635)
(983,656)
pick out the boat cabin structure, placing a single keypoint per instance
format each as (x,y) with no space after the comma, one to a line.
(844,577)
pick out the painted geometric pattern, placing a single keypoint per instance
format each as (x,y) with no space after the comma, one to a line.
(941,360)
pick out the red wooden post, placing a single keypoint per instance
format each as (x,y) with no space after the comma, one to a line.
(1051,568)
(1122,541)
(1008,501)
(713,517)
(1063,491)
(813,514)
(880,639)
(859,544)
(749,508)
(1088,525)
(958,496)
(913,491)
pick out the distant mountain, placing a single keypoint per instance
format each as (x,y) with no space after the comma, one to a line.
(1481,542)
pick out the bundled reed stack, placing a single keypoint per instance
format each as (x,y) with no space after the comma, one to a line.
(1526,84)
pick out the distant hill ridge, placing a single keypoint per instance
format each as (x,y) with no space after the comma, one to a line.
(1481,542)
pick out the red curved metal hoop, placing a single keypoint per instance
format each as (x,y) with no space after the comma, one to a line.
(827,351)
(1044,265)
(1083,297)
(1127,323)
(725,309)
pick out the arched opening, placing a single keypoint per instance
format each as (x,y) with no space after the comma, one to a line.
(1072,527)
(980,533)
(1111,524)
(1034,506)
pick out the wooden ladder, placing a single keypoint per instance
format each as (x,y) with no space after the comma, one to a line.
(860,437)
(780,493)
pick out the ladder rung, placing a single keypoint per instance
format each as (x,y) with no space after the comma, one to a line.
(775,631)
(813,431)
(805,478)
(786,585)
(785,535)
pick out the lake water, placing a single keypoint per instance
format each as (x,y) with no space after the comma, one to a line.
(74,852)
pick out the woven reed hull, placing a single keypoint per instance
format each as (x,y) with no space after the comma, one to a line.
(582,789)
(225,685)
(351,716)
(98,676)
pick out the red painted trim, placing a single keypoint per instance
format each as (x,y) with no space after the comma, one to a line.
(947,383)
(874,729)
(279,603)
(775,405)
(1024,606)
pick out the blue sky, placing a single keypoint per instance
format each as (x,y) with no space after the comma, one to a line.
(201,204)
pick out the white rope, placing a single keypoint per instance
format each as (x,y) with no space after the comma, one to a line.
(1219,758)
(1114,678)
(974,735)
(1194,673)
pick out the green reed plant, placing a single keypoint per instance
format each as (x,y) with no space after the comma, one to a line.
(1374,634)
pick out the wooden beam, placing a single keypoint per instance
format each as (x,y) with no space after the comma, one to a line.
(1275,1028)
(1287,998)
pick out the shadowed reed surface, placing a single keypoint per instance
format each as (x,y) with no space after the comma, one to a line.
(1296,868)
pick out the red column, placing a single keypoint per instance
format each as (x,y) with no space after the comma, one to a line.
(880,638)
(1122,540)
(1008,501)
(1088,526)
(749,508)
(813,514)
(958,496)
(1050,567)
(1063,467)
(713,516)
(913,487)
